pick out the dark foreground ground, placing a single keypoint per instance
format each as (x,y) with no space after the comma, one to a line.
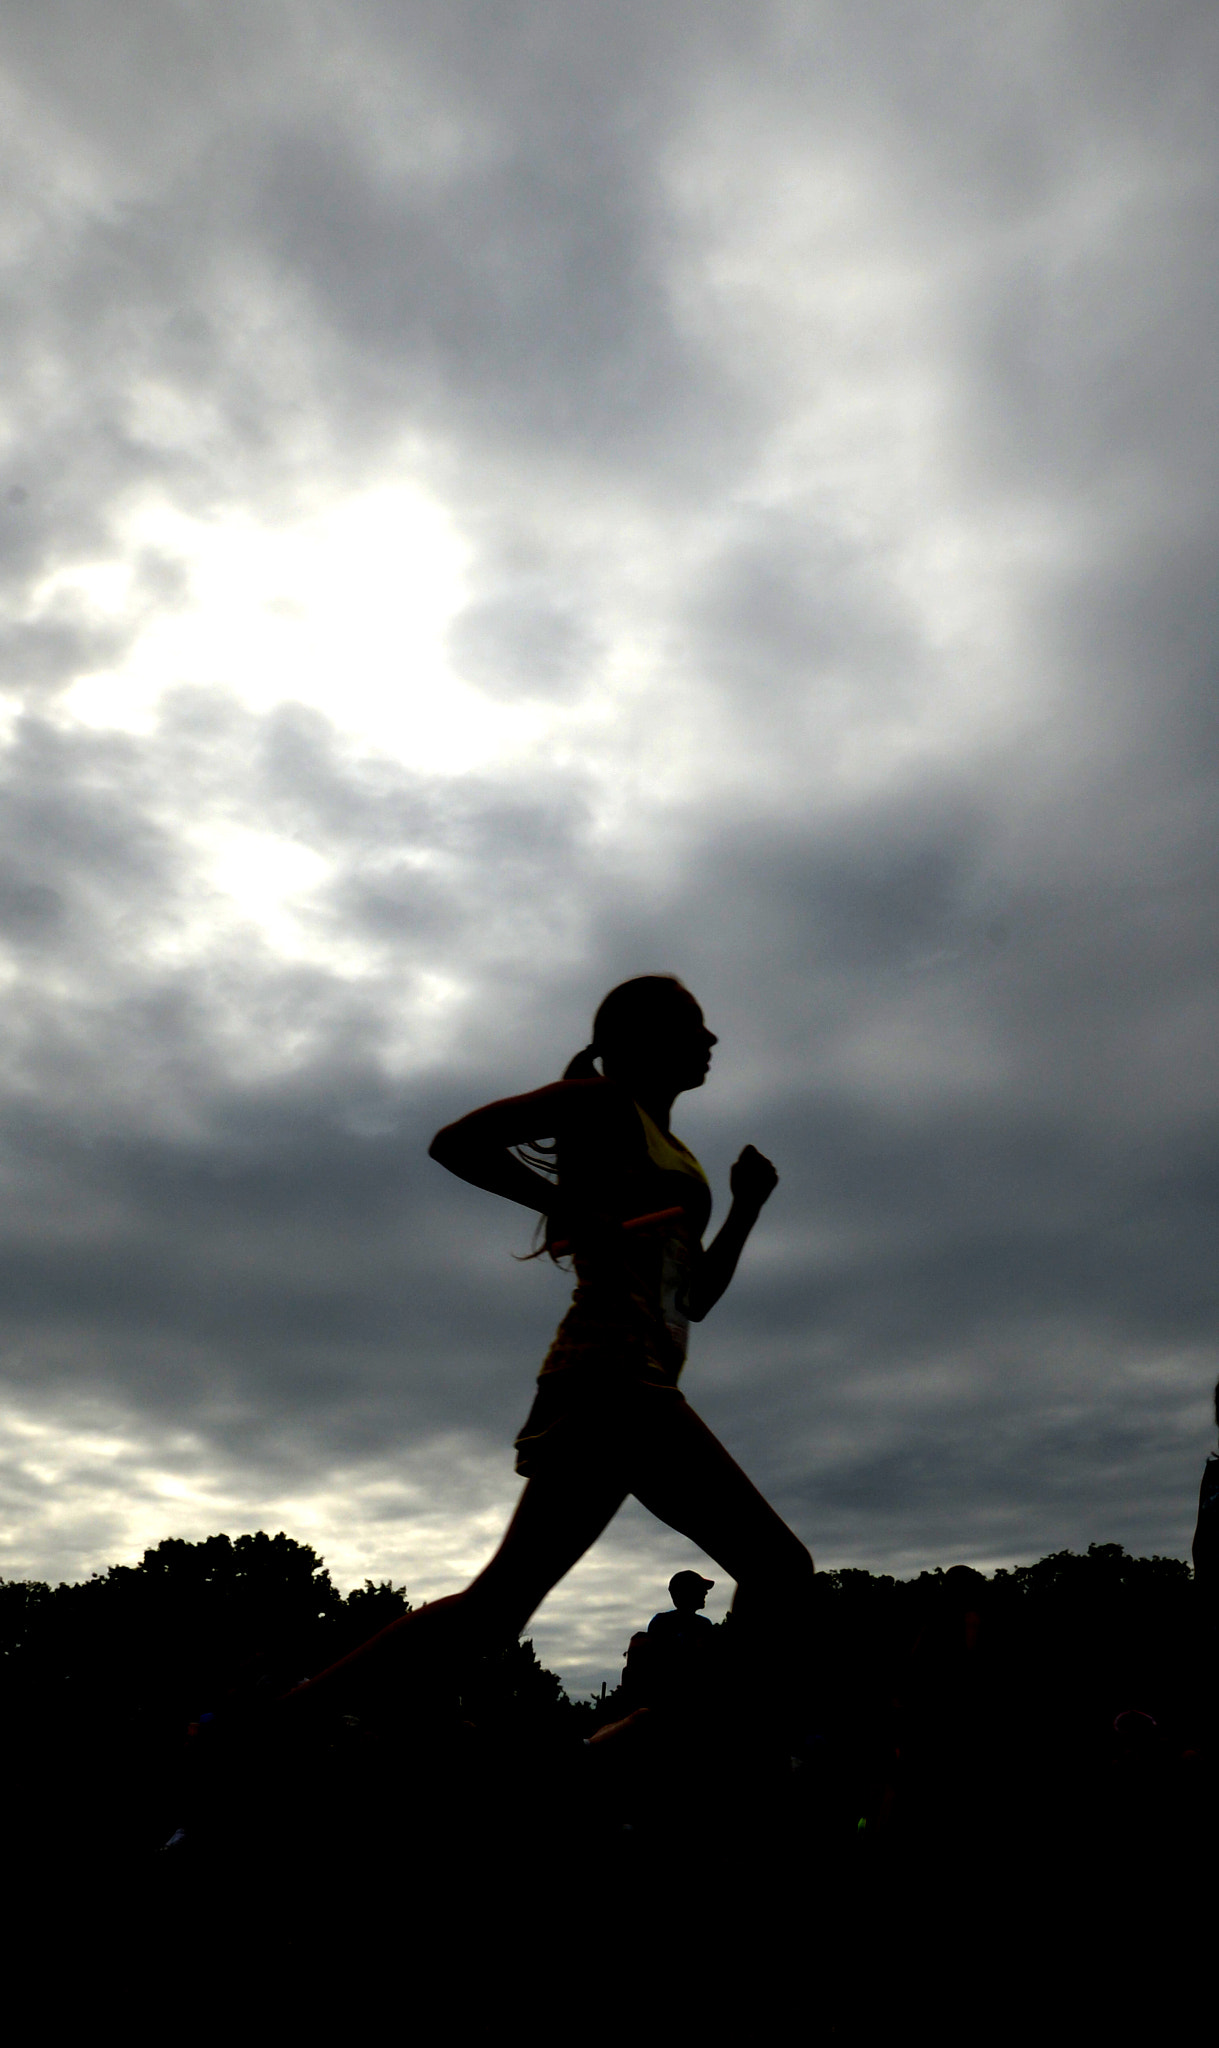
(437,1879)
(999,1821)
(447,1886)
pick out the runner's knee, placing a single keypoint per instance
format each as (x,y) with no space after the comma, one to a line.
(797,1568)
(494,1605)
(781,1570)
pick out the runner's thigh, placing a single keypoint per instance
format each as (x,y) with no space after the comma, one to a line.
(682,1474)
(558,1517)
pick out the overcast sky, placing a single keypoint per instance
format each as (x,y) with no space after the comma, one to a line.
(499,497)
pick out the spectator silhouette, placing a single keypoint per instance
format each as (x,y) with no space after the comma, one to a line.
(669,1665)
(684,1623)
(680,1646)
(656,1753)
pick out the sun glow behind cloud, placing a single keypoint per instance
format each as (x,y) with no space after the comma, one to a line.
(345,609)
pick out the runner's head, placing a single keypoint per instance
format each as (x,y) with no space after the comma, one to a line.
(648,1029)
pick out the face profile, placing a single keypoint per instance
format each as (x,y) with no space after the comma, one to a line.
(683,1044)
(688,1591)
(652,1033)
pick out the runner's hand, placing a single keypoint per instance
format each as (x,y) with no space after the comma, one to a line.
(753,1179)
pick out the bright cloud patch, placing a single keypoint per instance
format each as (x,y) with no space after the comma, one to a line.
(346,611)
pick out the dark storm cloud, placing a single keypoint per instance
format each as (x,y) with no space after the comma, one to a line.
(966,997)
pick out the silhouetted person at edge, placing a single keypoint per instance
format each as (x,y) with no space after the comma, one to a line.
(1206,1596)
(1206,1531)
(595,1154)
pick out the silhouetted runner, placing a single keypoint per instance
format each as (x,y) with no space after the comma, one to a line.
(595,1154)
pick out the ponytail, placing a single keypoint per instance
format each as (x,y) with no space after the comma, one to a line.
(583,1067)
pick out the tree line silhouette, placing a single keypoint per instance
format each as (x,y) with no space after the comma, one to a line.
(107,1686)
(164,1641)
(158,1643)
(1034,1663)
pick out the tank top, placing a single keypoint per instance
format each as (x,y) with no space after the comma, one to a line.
(629,1312)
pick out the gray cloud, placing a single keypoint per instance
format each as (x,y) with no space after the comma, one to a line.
(827,396)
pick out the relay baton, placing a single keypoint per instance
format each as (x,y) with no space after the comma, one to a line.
(634,1223)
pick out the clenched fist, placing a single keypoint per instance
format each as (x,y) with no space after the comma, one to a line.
(753,1179)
